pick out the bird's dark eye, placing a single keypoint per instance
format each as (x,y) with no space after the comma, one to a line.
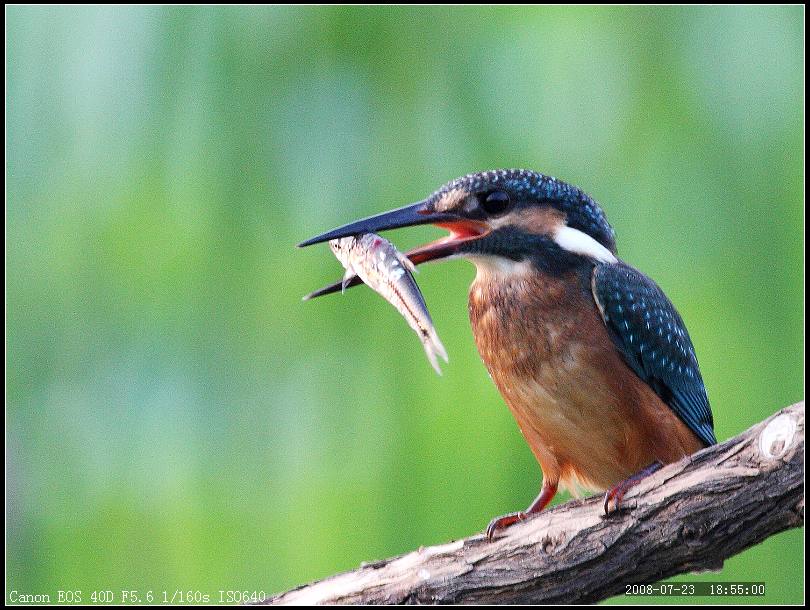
(495,202)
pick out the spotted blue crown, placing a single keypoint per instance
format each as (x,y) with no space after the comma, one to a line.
(582,212)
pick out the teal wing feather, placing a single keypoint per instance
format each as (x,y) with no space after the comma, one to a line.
(652,338)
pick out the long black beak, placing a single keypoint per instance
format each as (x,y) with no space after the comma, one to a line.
(419,213)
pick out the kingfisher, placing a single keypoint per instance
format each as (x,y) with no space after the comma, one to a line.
(589,354)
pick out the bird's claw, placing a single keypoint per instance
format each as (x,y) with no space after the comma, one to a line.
(615,494)
(500,523)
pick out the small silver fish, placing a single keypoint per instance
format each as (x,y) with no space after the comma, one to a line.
(388,272)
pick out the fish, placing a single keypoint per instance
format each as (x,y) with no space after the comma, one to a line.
(388,272)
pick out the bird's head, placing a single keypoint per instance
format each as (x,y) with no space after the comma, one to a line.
(499,219)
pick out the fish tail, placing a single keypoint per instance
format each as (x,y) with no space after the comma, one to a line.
(433,347)
(431,354)
(437,345)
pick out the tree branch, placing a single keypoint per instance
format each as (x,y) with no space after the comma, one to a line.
(689,516)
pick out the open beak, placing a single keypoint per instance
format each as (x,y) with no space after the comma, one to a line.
(461,230)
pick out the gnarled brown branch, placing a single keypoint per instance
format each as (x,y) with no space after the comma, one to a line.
(689,516)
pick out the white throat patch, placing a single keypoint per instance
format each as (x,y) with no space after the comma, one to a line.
(499,268)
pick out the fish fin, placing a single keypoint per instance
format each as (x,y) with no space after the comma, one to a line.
(347,277)
(406,262)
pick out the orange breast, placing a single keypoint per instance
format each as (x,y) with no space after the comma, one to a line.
(590,421)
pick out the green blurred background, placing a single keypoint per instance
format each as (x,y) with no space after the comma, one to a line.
(178,419)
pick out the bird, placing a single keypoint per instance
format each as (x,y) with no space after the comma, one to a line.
(589,354)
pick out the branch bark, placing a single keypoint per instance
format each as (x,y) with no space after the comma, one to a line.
(689,516)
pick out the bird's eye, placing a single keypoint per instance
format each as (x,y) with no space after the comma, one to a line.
(495,202)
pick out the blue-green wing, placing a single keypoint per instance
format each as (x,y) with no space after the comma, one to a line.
(652,338)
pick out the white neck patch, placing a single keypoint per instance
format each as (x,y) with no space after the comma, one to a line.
(574,240)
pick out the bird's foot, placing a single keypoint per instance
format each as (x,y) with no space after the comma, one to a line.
(501,523)
(614,495)
(547,492)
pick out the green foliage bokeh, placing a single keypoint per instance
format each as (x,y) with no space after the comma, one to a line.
(177,419)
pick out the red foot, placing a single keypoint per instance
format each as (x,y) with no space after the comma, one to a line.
(540,502)
(615,494)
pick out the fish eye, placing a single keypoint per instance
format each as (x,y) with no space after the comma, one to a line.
(495,202)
